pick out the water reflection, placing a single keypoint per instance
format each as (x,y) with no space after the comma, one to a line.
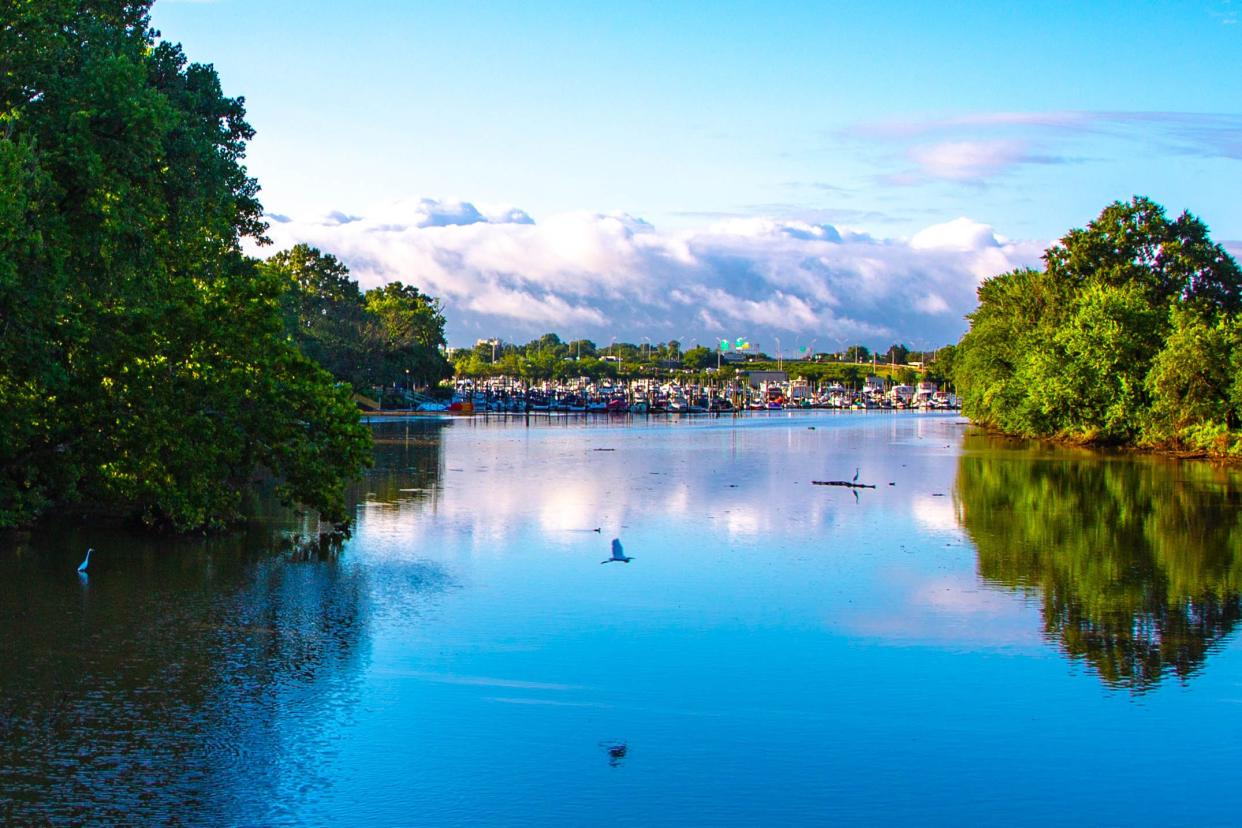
(203,678)
(1137,561)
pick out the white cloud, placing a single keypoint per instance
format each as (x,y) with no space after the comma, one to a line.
(587,274)
(968,160)
(960,234)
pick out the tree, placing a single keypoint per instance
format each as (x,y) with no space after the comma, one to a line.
(326,315)
(697,358)
(144,369)
(857,353)
(1093,346)
(581,348)
(411,327)
(897,354)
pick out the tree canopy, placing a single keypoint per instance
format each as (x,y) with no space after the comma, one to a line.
(390,335)
(1129,334)
(145,368)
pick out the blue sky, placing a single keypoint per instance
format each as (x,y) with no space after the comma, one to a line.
(648,147)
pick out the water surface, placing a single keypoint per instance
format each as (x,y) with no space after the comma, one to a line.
(997,632)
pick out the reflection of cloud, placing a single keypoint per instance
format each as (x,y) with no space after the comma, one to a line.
(569,507)
(606,275)
(935,513)
(960,596)
(953,609)
(743,523)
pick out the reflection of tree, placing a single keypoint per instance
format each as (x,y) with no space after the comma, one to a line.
(185,676)
(1138,562)
(409,462)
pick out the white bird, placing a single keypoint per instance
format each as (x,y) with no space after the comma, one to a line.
(85,561)
(618,554)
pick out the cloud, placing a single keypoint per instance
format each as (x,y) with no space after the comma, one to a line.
(971,160)
(980,146)
(602,275)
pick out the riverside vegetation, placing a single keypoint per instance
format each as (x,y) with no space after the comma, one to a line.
(1131,334)
(148,367)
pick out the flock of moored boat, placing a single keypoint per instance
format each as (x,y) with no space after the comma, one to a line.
(650,398)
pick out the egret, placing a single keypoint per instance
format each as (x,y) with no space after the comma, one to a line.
(856,470)
(618,554)
(85,561)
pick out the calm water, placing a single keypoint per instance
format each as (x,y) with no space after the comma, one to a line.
(996,633)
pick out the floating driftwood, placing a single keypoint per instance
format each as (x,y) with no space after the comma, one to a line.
(847,484)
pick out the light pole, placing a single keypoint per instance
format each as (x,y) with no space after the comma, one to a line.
(779,362)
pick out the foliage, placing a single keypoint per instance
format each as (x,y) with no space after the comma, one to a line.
(391,335)
(1127,336)
(547,358)
(144,368)
(698,358)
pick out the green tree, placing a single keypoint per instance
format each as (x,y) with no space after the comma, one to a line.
(698,358)
(411,327)
(326,315)
(1090,348)
(148,372)
(897,354)
(857,353)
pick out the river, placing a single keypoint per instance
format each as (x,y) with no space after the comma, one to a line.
(998,632)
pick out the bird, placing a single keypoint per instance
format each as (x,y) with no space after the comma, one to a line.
(85,561)
(618,554)
(616,751)
(856,471)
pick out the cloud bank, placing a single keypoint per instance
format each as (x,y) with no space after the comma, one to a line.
(499,273)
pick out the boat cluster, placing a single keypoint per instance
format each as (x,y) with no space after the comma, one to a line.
(673,398)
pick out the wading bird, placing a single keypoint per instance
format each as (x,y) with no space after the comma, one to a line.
(85,561)
(618,554)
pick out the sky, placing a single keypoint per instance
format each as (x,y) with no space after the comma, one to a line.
(800,174)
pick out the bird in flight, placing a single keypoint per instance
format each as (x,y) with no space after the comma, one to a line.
(618,554)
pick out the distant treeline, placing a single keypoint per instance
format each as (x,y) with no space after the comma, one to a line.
(390,335)
(550,358)
(1129,334)
(148,367)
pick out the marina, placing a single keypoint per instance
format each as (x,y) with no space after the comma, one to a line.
(648,397)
